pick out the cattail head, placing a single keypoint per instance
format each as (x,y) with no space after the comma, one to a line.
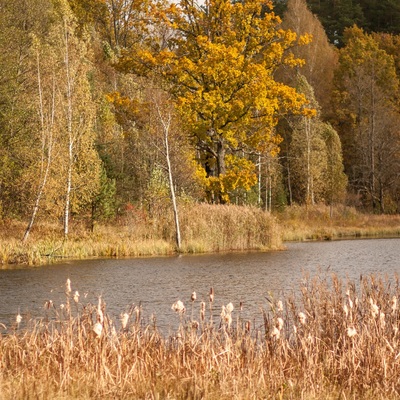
(76,297)
(124,320)
(98,329)
(275,333)
(211,295)
(346,310)
(393,304)
(374,308)
(195,325)
(229,308)
(279,323)
(178,307)
(100,315)
(18,319)
(382,320)
(302,318)
(202,310)
(223,312)
(228,319)
(247,326)
(68,286)
(193,297)
(48,304)
(351,331)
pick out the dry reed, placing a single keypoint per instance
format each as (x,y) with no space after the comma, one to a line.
(336,340)
(205,228)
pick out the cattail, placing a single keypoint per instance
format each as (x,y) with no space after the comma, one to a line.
(350,303)
(211,295)
(68,286)
(279,323)
(275,334)
(98,329)
(193,297)
(302,318)
(229,308)
(18,319)
(48,304)
(202,310)
(178,307)
(223,312)
(279,306)
(394,304)
(247,326)
(351,331)
(374,308)
(346,310)
(100,316)
(228,319)
(124,320)
(382,320)
(195,325)
(76,297)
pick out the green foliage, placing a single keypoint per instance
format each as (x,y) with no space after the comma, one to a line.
(104,204)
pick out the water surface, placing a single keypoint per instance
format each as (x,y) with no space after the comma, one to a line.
(158,282)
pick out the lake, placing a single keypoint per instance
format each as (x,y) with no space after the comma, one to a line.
(158,282)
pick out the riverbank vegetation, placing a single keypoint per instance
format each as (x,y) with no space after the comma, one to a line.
(205,228)
(325,223)
(337,340)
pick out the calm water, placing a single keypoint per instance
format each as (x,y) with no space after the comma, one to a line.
(159,282)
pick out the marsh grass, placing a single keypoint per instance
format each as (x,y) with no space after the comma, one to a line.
(337,340)
(319,222)
(205,228)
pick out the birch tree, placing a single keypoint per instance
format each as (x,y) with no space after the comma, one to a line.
(79,160)
(46,111)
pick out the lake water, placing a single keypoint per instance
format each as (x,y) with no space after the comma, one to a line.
(158,282)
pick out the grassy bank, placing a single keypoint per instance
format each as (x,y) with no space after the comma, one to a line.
(338,341)
(204,228)
(320,223)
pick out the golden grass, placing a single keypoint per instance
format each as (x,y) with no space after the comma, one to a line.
(337,340)
(204,228)
(316,223)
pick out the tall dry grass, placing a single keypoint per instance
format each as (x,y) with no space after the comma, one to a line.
(320,222)
(204,228)
(336,340)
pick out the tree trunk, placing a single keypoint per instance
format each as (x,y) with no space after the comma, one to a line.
(166,128)
(47,136)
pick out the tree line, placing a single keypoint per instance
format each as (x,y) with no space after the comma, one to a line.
(109,106)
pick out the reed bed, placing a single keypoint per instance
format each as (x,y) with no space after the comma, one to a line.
(320,222)
(204,228)
(334,340)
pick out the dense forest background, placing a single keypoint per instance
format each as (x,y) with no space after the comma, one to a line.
(108,106)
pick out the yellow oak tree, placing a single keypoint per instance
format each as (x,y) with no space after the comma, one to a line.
(219,61)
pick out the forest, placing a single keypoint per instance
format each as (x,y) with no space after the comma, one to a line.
(111,108)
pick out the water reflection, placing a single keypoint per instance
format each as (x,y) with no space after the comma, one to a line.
(159,282)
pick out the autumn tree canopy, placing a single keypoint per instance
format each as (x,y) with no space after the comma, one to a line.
(219,62)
